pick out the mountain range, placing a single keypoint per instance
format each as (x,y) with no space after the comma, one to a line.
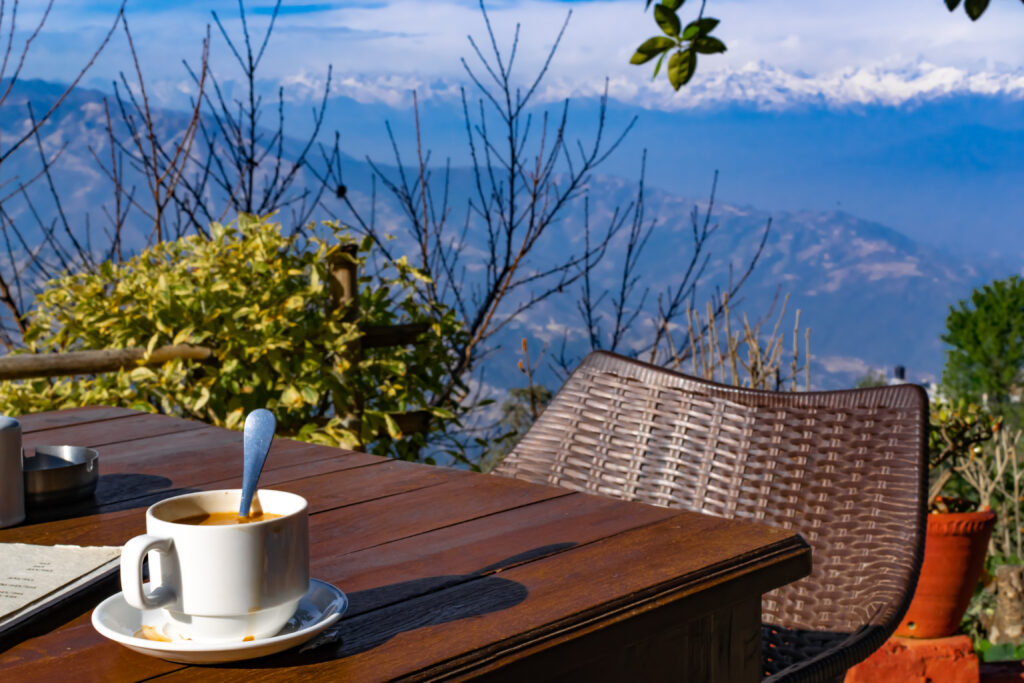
(873,297)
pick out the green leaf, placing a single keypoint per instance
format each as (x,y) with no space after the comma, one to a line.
(152,344)
(657,67)
(951,4)
(309,394)
(975,8)
(707,25)
(667,20)
(291,397)
(141,374)
(701,27)
(672,4)
(681,66)
(204,398)
(708,45)
(234,418)
(393,431)
(998,653)
(674,76)
(183,335)
(650,49)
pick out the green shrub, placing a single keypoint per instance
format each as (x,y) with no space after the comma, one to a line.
(985,356)
(262,301)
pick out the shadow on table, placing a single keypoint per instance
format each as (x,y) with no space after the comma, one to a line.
(140,497)
(378,614)
(113,492)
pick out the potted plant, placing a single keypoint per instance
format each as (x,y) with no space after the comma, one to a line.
(959,522)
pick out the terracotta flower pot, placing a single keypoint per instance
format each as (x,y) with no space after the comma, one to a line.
(954,555)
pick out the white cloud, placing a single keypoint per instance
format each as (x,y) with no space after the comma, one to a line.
(780,51)
(846,364)
(762,85)
(770,87)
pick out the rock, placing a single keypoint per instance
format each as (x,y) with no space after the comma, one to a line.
(1008,620)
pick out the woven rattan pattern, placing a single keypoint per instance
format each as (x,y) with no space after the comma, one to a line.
(847,470)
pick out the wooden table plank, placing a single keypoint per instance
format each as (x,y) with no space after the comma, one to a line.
(191,459)
(332,486)
(74,650)
(140,472)
(416,513)
(114,524)
(463,551)
(103,432)
(162,448)
(61,418)
(143,466)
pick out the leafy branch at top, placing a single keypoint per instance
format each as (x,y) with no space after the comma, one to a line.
(974,8)
(684,43)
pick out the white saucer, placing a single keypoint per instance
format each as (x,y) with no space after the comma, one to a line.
(319,608)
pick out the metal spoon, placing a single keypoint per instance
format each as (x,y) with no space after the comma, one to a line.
(256,437)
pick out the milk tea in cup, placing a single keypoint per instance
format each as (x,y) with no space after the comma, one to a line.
(218,577)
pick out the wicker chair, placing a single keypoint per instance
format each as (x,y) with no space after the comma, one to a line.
(846,469)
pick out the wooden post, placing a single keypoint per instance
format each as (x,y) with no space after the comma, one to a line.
(344,282)
(344,285)
(377,336)
(414,422)
(20,366)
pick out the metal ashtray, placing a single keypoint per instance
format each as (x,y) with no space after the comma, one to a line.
(60,474)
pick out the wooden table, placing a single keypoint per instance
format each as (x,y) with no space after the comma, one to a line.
(451,574)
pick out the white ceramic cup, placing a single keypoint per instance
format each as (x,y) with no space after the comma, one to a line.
(221,582)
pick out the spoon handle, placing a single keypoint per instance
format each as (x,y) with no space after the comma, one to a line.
(256,437)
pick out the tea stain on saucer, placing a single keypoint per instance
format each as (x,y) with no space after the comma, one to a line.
(150,633)
(158,636)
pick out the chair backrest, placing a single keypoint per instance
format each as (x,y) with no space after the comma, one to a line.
(846,469)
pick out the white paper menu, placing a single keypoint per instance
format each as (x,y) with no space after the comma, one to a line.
(36,577)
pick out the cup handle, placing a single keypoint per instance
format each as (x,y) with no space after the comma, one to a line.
(132,554)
